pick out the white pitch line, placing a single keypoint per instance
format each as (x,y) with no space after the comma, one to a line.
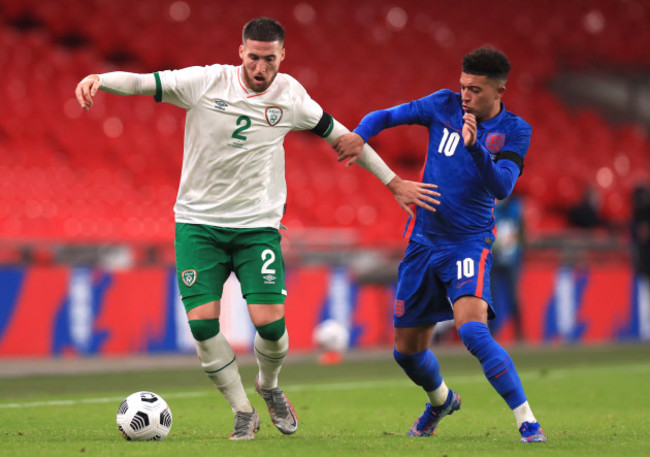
(91,400)
(466,379)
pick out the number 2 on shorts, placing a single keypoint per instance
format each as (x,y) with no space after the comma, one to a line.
(268,256)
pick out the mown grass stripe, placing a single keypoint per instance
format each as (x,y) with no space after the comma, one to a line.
(551,373)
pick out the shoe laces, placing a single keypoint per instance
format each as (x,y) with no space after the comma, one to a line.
(279,402)
(243,422)
(427,417)
(529,428)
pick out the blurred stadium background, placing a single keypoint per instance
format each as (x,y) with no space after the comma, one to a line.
(86,222)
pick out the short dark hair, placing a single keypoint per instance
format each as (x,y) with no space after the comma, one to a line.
(488,62)
(263,29)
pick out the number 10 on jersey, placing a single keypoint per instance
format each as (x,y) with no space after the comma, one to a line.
(449,142)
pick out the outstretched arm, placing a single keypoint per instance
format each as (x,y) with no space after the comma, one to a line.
(116,82)
(349,146)
(409,193)
(406,192)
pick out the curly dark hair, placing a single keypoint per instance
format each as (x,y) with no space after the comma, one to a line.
(488,62)
(263,29)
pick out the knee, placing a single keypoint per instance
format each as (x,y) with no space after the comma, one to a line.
(409,361)
(204,329)
(470,309)
(399,357)
(265,314)
(474,335)
(272,331)
(197,308)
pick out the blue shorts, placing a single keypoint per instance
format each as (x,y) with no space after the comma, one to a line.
(431,279)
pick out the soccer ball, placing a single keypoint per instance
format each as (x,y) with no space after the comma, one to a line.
(144,416)
(331,335)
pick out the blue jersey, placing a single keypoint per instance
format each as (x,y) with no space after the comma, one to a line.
(469,179)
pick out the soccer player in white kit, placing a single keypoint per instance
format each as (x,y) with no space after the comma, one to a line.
(231,200)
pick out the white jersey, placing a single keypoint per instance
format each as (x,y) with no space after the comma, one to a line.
(233,160)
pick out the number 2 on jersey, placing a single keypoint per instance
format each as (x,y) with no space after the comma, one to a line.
(246,121)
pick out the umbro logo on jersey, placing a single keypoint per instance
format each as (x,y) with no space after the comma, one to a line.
(220,105)
(269,279)
(273,115)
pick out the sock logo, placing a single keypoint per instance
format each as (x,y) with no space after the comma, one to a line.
(189,277)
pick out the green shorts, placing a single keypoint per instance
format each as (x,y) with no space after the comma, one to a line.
(206,255)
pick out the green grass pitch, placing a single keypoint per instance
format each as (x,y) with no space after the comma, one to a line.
(590,401)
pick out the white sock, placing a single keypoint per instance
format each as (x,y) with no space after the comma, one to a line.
(270,357)
(438,397)
(220,364)
(523,413)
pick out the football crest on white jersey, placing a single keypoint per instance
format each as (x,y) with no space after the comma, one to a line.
(273,115)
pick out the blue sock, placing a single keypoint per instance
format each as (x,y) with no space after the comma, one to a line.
(495,361)
(422,367)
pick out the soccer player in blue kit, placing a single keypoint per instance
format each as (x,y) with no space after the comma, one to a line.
(475,155)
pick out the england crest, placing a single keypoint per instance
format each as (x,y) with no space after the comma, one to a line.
(273,115)
(189,277)
(495,141)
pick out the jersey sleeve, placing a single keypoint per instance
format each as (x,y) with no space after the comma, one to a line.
(307,113)
(414,112)
(516,145)
(518,139)
(500,175)
(182,87)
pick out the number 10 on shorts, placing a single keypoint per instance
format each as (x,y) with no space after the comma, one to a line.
(465,268)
